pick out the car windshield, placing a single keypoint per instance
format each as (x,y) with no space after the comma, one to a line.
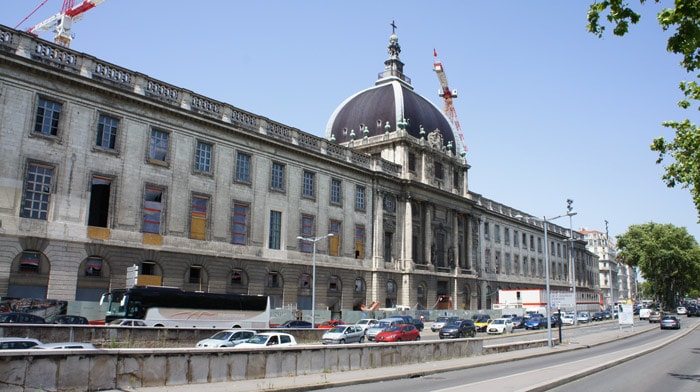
(383,324)
(221,335)
(337,330)
(498,321)
(363,322)
(258,339)
(441,319)
(394,328)
(453,324)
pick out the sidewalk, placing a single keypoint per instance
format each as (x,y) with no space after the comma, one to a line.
(326,380)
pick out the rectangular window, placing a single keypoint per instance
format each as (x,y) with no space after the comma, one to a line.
(360,198)
(98,213)
(456,176)
(239,225)
(277,176)
(516,238)
(275,240)
(148,268)
(307,230)
(47,115)
(37,192)
(198,218)
(486,230)
(334,241)
(243,167)
(152,209)
(336,191)
(158,148)
(506,234)
(359,242)
(107,132)
(411,162)
(195,274)
(497,232)
(202,157)
(438,171)
(309,185)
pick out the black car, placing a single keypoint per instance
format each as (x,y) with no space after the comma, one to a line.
(598,316)
(69,319)
(410,320)
(21,318)
(295,324)
(458,329)
(693,311)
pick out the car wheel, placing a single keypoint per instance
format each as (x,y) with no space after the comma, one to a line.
(342,341)
(362,339)
(472,333)
(417,338)
(398,340)
(460,335)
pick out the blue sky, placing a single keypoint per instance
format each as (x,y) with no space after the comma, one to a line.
(548,111)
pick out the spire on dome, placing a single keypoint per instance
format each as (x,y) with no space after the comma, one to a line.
(393,67)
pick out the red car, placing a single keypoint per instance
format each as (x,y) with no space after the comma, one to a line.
(328,324)
(398,333)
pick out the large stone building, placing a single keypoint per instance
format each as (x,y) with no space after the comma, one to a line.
(104,168)
(617,280)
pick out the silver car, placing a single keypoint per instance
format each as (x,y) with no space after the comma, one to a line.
(372,332)
(344,334)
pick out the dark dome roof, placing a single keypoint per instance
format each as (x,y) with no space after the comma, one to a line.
(391,100)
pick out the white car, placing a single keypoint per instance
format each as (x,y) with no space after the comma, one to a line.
(128,323)
(18,343)
(65,346)
(500,326)
(681,310)
(584,317)
(366,323)
(227,338)
(568,318)
(344,334)
(268,339)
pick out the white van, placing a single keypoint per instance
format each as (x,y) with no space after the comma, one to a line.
(644,313)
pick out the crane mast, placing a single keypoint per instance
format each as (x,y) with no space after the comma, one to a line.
(62,22)
(447,99)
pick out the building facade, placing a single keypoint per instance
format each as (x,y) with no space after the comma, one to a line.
(105,168)
(617,280)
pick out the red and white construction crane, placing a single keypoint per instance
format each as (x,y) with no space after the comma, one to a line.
(62,22)
(447,97)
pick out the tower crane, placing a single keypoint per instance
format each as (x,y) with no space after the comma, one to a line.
(62,22)
(447,97)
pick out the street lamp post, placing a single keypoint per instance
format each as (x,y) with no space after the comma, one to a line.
(545,221)
(572,260)
(314,240)
(610,267)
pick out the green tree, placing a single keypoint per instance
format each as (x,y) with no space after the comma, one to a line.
(683,166)
(667,256)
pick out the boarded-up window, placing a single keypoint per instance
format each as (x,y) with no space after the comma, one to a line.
(359,242)
(198,218)
(152,209)
(334,241)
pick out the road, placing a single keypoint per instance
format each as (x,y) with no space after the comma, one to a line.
(535,373)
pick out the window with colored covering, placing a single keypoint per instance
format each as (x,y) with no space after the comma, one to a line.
(239,223)
(360,242)
(37,191)
(198,217)
(48,114)
(30,262)
(93,267)
(307,231)
(334,241)
(152,209)
(107,132)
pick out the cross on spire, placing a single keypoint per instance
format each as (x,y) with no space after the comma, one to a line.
(393,27)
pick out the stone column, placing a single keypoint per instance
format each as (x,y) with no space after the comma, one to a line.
(407,255)
(378,243)
(428,237)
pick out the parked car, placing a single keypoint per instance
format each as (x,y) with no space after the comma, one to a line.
(342,334)
(410,320)
(481,321)
(518,322)
(441,321)
(295,324)
(226,338)
(18,343)
(597,316)
(70,319)
(65,346)
(398,333)
(500,326)
(366,323)
(21,318)
(268,339)
(655,316)
(128,323)
(584,317)
(372,332)
(681,310)
(536,323)
(670,322)
(458,329)
(328,324)
(693,311)
(568,318)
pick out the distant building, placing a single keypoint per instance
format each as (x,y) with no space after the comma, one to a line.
(623,281)
(105,168)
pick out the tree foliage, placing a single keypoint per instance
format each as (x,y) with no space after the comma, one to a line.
(683,166)
(667,256)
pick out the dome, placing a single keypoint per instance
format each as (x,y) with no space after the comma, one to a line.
(390,101)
